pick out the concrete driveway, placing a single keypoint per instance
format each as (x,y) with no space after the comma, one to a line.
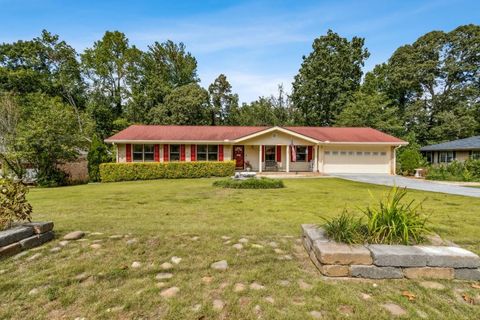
(425,185)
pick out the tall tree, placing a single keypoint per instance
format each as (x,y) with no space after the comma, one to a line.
(222,100)
(327,78)
(435,82)
(112,65)
(185,105)
(164,67)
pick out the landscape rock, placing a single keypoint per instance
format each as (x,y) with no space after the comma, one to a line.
(163,275)
(75,235)
(243,240)
(63,243)
(315,314)
(284,283)
(239,287)
(453,257)
(238,246)
(374,272)
(257,246)
(116,236)
(136,264)
(397,256)
(270,300)
(394,309)
(130,242)
(303,285)
(429,273)
(279,251)
(312,233)
(226,238)
(34,257)
(14,234)
(176,260)
(40,227)
(166,266)
(207,279)
(10,250)
(273,244)
(33,292)
(170,292)
(218,305)
(338,253)
(220,265)
(95,246)
(36,240)
(467,274)
(256,286)
(333,270)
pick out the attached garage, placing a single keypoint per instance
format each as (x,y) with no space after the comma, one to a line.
(357,160)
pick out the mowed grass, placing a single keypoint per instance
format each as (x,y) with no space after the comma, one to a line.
(187,219)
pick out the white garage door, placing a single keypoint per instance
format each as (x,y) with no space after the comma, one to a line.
(351,161)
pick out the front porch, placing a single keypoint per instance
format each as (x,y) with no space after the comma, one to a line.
(276,158)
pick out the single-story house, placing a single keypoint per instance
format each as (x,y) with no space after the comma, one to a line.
(317,149)
(460,150)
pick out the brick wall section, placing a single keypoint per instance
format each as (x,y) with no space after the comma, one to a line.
(24,237)
(388,261)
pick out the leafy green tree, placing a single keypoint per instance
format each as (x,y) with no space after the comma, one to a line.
(112,65)
(185,105)
(222,100)
(373,110)
(327,78)
(435,83)
(97,154)
(44,64)
(47,136)
(164,67)
(10,114)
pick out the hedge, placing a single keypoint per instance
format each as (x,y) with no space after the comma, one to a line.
(250,183)
(112,172)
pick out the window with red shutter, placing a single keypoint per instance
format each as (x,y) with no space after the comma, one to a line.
(193,152)
(310,153)
(182,152)
(156,153)
(279,153)
(128,151)
(165,152)
(220,152)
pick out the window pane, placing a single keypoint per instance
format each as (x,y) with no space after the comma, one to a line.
(212,156)
(270,153)
(476,155)
(212,148)
(148,148)
(201,148)
(301,153)
(138,152)
(174,152)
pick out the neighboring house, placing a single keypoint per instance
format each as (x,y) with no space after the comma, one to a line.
(317,149)
(460,150)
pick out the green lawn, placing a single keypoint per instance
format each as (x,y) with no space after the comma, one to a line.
(187,219)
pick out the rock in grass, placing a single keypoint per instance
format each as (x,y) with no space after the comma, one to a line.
(176,260)
(239,287)
(166,266)
(95,246)
(316,314)
(163,275)
(394,309)
(256,286)
(136,264)
(238,246)
(170,292)
(218,305)
(220,265)
(75,235)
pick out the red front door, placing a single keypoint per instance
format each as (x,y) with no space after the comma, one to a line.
(238,155)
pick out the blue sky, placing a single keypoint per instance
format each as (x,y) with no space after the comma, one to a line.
(257,44)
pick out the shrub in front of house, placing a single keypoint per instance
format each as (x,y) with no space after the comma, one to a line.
(112,172)
(393,221)
(250,183)
(13,203)
(468,170)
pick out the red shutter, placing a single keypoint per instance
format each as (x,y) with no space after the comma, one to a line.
(165,152)
(182,152)
(193,152)
(279,153)
(129,152)
(156,152)
(220,152)
(310,153)
(263,153)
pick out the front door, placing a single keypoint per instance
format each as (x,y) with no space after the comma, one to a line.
(238,155)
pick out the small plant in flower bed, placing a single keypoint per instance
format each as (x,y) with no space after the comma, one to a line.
(393,221)
(13,203)
(250,183)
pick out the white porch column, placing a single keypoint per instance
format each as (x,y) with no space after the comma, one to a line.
(260,158)
(288,159)
(315,158)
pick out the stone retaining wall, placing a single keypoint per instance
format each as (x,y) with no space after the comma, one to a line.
(24,237)
(380,261)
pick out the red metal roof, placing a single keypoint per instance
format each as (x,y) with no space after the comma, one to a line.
(222,133)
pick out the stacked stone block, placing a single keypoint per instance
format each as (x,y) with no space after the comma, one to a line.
(24,237)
